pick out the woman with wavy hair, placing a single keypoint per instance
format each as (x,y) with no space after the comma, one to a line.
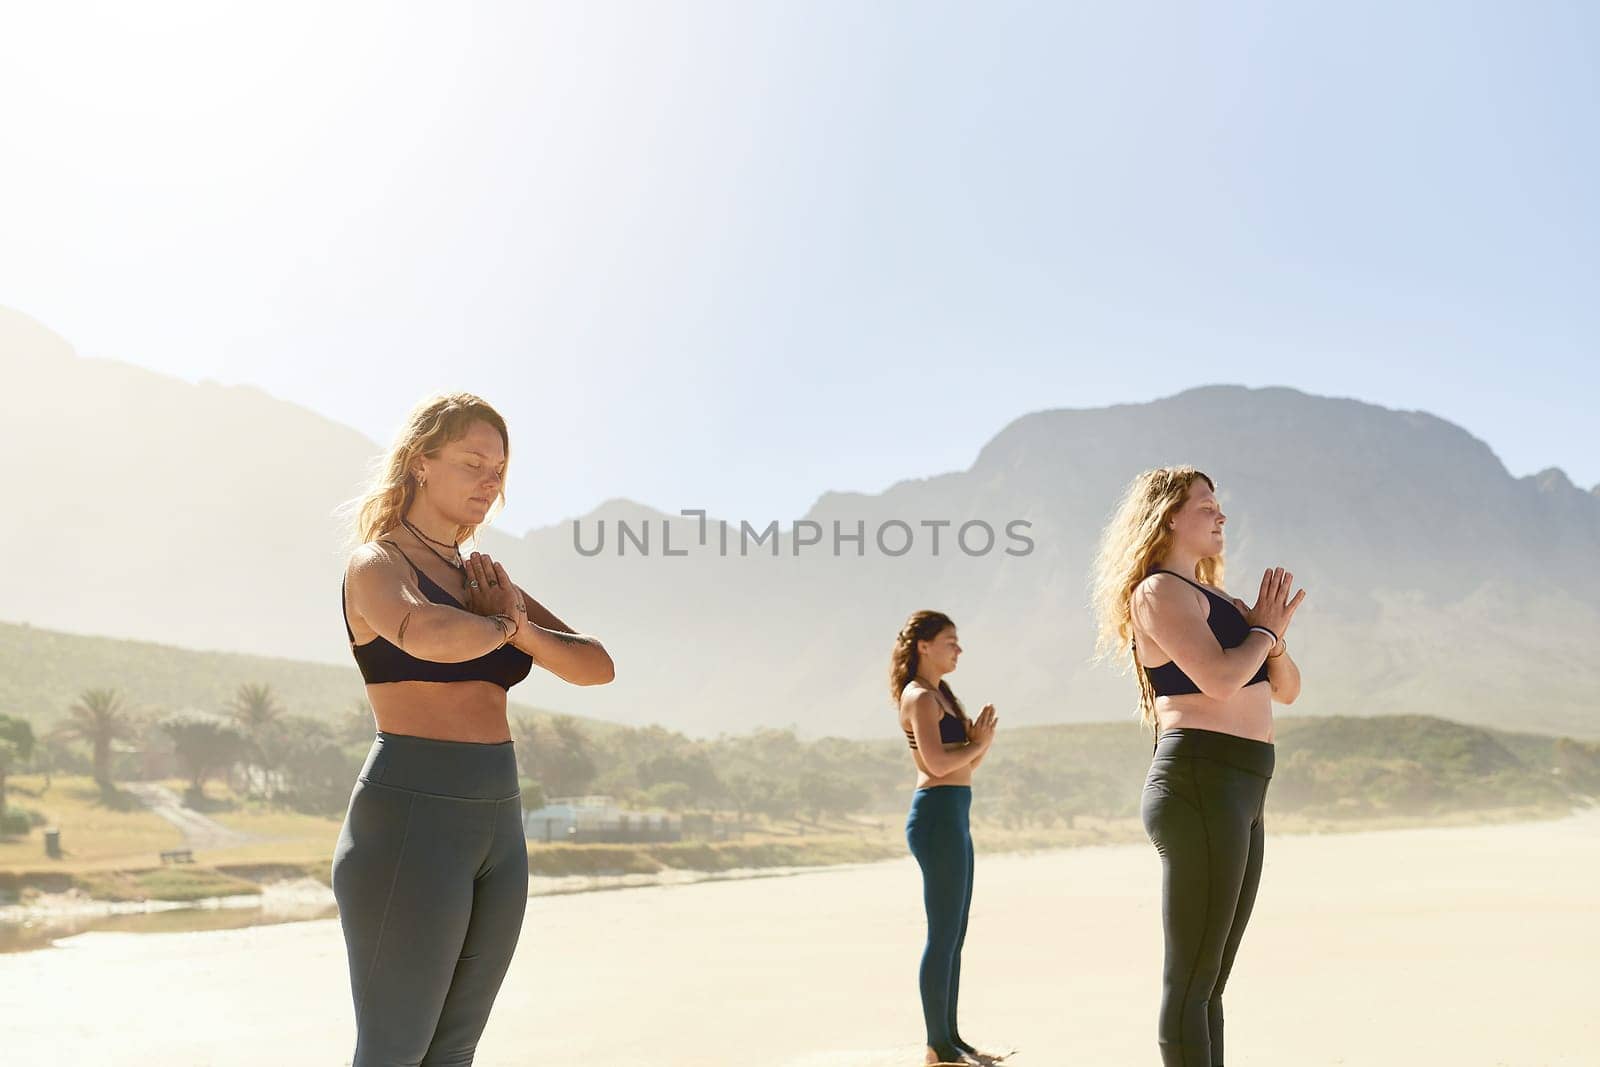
(946,747)
(431,867)
(1209,669)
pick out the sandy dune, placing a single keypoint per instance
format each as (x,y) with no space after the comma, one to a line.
(1465,946)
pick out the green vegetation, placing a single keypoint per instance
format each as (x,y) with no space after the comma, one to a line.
(283,777)
(1415,764)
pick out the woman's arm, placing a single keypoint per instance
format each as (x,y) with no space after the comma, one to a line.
(1283,674)
(1169,611)
(925,713)
(385,593)
(573,657)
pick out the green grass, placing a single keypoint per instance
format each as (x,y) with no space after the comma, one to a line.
(163,883)
(93,834)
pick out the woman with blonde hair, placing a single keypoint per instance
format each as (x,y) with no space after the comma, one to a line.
(946,747)
(1209,669)
(431,866)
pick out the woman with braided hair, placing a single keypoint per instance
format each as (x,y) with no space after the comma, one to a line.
(1209,668)
(946,747)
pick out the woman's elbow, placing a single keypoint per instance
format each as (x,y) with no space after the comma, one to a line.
(604,670)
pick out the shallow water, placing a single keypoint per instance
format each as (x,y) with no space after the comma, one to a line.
(42,931)
(28,929)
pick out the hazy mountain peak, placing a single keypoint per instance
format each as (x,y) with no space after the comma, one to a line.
(1553,479)
(1234,431)
(26,338)
(614,509)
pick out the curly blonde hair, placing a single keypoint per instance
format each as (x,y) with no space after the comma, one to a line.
(433,423)
(904,661)
(1135,538)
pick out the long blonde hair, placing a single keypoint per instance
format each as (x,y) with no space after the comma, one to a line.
(433,423)
(904,660)
(1135,538)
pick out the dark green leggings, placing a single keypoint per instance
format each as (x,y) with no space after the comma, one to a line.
(431,876)
(938,831)
(1204,807)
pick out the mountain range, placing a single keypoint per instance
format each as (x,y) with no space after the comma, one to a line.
(202,516)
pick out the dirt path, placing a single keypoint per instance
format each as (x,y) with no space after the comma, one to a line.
(198,831)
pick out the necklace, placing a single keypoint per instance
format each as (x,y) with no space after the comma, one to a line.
(425,537)
(455,564)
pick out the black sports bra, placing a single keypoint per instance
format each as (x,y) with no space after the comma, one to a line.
(382,661)
(1230,627)
(952,730)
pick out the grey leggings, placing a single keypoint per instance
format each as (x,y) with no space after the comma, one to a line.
(431,876)
(1204,807)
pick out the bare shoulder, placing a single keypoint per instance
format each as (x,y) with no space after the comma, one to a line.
(371,560)
(1161,587)
(916,699)
(1160,594)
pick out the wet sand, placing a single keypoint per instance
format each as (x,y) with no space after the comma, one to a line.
(1463,946)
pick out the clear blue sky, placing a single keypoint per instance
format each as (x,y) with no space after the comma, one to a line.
(732,255)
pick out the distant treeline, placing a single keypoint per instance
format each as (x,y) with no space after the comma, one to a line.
(1035,776)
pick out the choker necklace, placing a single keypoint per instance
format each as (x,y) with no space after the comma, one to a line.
(455,564)
(425,537)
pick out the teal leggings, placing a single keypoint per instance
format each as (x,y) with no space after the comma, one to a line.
(431,876)
(938,833)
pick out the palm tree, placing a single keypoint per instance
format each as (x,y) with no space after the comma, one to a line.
(256,711)
(357,723)
(98,718)
(255,707)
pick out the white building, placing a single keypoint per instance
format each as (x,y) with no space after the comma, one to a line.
(596,818)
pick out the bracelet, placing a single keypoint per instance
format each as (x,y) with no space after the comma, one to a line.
(1269,633)
(1279,655)
(506,635)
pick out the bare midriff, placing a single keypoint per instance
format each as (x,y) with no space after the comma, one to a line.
(445,711)
(1248,713)
(925,778)
(471,710)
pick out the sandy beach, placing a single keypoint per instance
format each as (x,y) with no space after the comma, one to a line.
(1464,946)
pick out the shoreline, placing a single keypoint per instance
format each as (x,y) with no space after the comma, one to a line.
(289,899)
(1374,930)
(289,894)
